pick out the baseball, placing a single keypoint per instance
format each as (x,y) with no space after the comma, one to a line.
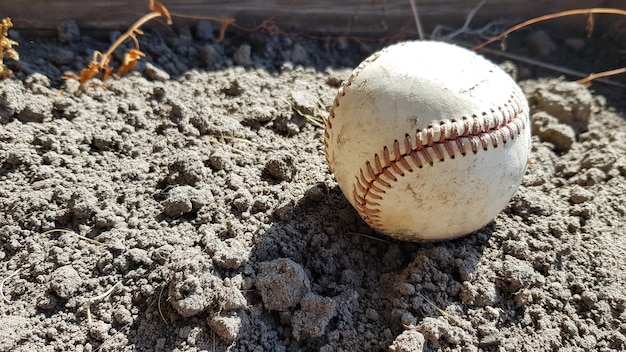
(427,140)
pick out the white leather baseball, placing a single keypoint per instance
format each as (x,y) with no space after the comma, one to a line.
(427,140)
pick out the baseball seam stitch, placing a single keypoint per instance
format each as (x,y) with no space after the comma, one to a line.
(429,145)
(433,144)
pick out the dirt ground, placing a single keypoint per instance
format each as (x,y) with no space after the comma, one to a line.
(197,212)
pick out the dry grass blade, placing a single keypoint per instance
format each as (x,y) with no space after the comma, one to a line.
(316,119)
(92,241)
(370,237)
(441,311)
(92,300)
(213,139)
(2,285)
(416,18)
(159,305)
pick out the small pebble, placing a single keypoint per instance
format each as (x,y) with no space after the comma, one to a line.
(123,316)
(226,327)
(242,55)
(550,130)
(209,55)
(579,195)
(313,317)
(408,341)
(99,330)
(47,302)
(299,54)
(408,319)
(230,254)
(315,193)
(371,314)
(406,289)
(65,281)
(281,167)
(154,73)
(282,283)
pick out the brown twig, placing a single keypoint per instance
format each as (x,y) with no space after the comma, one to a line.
(594,76)
(588,12)
(590,25)
(99,65)
(269,25)
(6,44)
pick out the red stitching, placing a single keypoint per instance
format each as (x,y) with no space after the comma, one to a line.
(435,143)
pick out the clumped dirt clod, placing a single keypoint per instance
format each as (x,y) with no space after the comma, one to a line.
(205,201)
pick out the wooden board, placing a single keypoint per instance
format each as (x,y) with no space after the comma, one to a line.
(336,17)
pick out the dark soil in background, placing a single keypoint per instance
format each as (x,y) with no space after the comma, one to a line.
(201,215)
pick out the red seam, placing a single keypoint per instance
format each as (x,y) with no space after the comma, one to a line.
(371,185)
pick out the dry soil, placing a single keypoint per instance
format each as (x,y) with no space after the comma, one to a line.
(197,212)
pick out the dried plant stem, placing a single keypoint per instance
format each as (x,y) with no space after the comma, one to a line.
(157,11)
(416,17)
(2,285)
(441,311)
(92,300)
(588,12)
(159,305)
(99,65)
(6,47)
(594,76)
(370,237)
(590,24)
(92,241)
(465,28)
(130,33)
(215,139)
